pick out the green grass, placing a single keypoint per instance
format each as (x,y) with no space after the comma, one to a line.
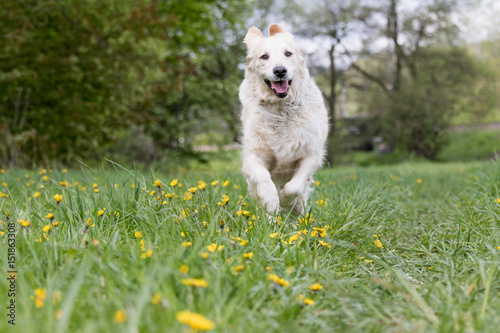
(471,145)
(437,271)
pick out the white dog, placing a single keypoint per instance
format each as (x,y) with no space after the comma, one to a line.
(285,122)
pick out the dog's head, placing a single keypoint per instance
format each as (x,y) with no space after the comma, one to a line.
(273,61)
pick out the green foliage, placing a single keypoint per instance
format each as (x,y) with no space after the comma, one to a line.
(74,74)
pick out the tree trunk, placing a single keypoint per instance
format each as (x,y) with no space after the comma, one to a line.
(332,100)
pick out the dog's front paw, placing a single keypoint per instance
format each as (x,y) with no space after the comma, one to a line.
(289,193)
(269,199)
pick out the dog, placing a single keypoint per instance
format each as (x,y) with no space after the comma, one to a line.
(284,122)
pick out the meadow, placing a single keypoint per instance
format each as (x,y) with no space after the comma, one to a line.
(412,247)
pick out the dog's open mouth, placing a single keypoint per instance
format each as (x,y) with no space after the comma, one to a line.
(279,88)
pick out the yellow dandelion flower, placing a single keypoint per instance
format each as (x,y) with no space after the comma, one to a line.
(46,228)
(49,216)
(248,255)
(55,224)
(36,195)
(324,243)
(187,244)
(214,183)
(137,234)
(280,281)
(273,234)
(202,185)
(40,295)
(174,182)
(194,320)
(419,181)
(204,255)
(143,245)
(58,198)
(193,190)
(315,287)
(378,243)
(213,247)
(498,201)
(184,269)
(244,242)
(120,316)
(147,254)
(156,299)
(201,283)
(226,183)
(308,301)
(157,183)
(100,212)
(152,193)
(238,269)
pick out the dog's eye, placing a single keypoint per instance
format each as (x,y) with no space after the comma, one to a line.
(288,53)
(264,57)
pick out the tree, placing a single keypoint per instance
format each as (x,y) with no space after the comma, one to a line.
(75,74)
(423,83)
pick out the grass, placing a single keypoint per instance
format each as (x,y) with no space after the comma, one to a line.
(405,248)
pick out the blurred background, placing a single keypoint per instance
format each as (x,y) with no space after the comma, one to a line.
(155,83)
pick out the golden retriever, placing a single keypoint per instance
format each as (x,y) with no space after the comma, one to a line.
(284,120)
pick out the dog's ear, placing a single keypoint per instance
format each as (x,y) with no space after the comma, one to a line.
(252,37)
(278,29)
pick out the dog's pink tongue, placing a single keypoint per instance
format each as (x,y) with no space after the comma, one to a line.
(280,86)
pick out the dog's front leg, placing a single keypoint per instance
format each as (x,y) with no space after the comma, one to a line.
(260,184)
(298,186)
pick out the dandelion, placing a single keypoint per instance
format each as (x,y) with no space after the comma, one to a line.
(100,213)
(40,295)
(157,183)
(173,182)
(325,244)
(143,245)
(193,190)
(50,216)
(498,201)
(280,281)
(226,183)
(204,255)
(321,232)
(187,244)
(214,183)
(378,243)
(315,287)
(248,255)
(58,198)
(152,193)
(120,316)
(419,181)
(137,234)
(306,300)
(243,242)
(194,320)
(64,184)
(273,234)
(184,269)
(147,254)
(24,223)
(238,269)
(36,195)
(201,283)
(156,299)
(213,247)
(202,185)
(46,228)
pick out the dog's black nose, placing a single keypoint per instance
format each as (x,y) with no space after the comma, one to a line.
(280,71)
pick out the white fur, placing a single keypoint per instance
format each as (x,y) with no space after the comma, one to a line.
(283,138)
